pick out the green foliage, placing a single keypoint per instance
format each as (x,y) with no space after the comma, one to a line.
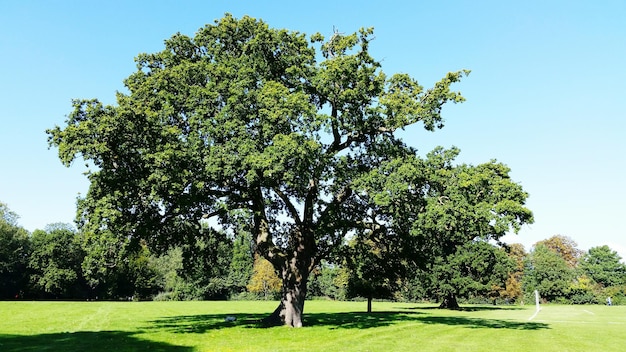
(475,269)
(242,262)
(329,281)
(103,264)
(143,275)
(55,262)
(14,251)
(604,266)
(467,202)
(168,267)
(445,207)
(206,266)
(617,294)
(584,291)
(374,268)
(7,215)
(549,273)
(214,267)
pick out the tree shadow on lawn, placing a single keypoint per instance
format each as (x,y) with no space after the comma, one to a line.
(470,308)
(97,341)
(351,320)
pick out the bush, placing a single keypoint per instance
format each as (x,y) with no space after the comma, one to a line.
(617,294)
(583,298)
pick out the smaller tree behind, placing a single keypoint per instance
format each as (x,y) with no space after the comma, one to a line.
(565,247)
(264,279)
(242,262)
(374,268)
(55,263)
(329,281)
(513,289)
(206,265)
(548,272)
(604,266)
(477,268)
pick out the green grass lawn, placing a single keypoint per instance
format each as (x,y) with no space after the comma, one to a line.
(330,326)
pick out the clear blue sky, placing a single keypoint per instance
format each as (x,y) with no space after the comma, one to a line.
(546,96)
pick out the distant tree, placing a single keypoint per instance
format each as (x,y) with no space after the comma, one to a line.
(513,288)
(583,290)
(7,215)
(604,266)
(143,275)
(168,266)
(330,281)
(206,264)
(375,268)
(14,251)
(242,262)
(104,266)
(441,206)
(549,273)
(264,279)
(565,247)
(518,254)
(55,262)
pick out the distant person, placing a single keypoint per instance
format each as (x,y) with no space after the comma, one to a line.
(608,301)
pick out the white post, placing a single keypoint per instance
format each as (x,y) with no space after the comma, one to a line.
(537,300)
(537,308)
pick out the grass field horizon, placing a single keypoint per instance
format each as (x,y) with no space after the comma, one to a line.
(329,326)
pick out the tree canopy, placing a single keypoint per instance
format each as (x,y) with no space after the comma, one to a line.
(55,261)
(565,247)
(548,272)
(290,131)
(14,249)
(604,266)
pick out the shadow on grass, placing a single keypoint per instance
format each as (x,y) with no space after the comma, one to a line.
(100,341)
(205,322)
(352,320)
(477,323)
(471,308)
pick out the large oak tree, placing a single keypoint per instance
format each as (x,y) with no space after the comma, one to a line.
(244,116)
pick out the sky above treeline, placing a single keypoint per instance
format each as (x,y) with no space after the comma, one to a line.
(546,94)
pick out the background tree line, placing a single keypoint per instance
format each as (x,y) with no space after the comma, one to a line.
(60,263)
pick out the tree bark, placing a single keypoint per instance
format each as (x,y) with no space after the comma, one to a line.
(293,263)
(449,302)
(290,310)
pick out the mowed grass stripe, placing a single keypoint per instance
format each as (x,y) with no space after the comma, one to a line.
(330,326)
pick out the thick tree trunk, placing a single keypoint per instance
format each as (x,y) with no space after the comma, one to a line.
(290,310)
(369,304)
(449,302)
(293,263)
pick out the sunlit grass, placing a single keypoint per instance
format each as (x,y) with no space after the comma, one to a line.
(330,326)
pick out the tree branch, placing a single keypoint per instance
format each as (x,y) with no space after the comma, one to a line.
(339,198)
(292,209)
(335,127)
(265,245)
(309,201)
